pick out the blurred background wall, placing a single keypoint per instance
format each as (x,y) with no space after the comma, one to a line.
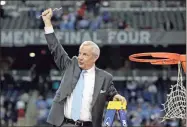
(29,76)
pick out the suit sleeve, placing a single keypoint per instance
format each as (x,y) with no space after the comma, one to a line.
(60,56)
(111,91)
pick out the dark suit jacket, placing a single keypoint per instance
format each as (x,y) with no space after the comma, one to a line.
(71,71)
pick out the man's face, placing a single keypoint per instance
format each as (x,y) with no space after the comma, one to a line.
(86,57)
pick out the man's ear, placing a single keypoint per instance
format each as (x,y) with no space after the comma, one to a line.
(96,58)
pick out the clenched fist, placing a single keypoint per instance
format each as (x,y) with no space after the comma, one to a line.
(46,16)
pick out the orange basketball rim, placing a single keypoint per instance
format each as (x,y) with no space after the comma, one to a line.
(160,58)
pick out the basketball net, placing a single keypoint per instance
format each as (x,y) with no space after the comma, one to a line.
(175,105)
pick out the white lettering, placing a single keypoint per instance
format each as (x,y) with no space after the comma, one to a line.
(35,37)
(18,37)
(145,37)
(133,37)
(6,37)
(75,38)
(122,37)
(29,37)
(86,37)
(95,39)
(111,36)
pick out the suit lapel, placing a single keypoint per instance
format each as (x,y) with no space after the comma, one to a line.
(98,84)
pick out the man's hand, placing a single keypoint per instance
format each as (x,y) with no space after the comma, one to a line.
(118,97)
(46,16)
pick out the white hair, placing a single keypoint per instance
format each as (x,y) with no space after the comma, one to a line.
(95,50)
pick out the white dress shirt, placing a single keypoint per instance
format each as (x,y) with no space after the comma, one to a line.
(89,81)
(85,114)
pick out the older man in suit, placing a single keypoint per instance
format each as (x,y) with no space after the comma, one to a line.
(84,89)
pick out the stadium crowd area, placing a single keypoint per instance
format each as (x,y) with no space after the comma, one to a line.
(90,16)
(28,102)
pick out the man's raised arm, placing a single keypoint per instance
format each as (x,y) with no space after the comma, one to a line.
(60,56)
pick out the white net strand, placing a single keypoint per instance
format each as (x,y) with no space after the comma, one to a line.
(175,105)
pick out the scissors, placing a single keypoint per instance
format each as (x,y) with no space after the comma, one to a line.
(55,9)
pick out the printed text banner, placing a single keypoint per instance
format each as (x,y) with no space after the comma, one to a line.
(102,37)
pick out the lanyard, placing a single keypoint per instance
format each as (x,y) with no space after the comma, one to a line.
(112,108)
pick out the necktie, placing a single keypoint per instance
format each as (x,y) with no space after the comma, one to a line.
(77,97)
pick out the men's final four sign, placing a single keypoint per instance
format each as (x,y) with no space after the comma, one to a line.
(112,108)
(13,37)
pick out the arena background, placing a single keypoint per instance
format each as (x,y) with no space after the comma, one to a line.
(29,76)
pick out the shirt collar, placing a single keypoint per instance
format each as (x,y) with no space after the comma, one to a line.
(92,69)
